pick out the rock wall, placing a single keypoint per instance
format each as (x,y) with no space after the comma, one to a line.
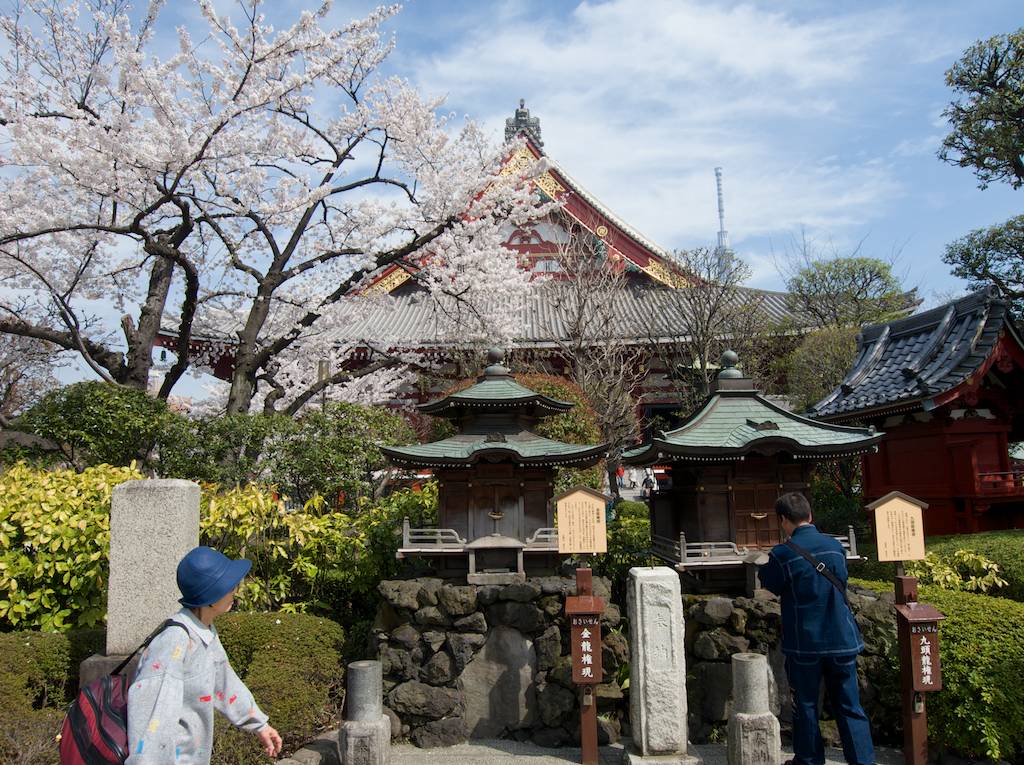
(467,661)
(717,627)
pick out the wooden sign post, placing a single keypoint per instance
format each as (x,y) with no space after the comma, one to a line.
(584,612)
(581,529)
(899,531)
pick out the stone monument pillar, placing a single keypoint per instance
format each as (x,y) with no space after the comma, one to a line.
(657,680)
(153,523)
(365,736)
(753,731)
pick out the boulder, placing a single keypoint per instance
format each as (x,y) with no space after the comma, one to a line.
(434,639)
(552,605)
(398,662)
(475,622)
(431,616)
(611,617)
(524,617)
(520,592)
(400,593)
(719,645)
(498,685)
(438,671)
(608,731)
(554,703)
(614,651)
(429,588)
(462,647)
(406,636)
(714,679)
(396,723)
(715,611)
(549,648)
(555,585)
(447,732)
(487,595)
(551,738)
(422,700)
(457,601)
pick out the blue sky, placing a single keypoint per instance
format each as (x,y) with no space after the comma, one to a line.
(824,116)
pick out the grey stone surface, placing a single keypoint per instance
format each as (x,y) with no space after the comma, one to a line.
(549,647)
(438,670)
(475,622)
(716,611)
(365,742)
(153,523)
(423,700)
(657,705)
(497,685)
(441,733)
(400,594)
(457,600)
(364,696)
(463,646)
(753,732)
(525,617)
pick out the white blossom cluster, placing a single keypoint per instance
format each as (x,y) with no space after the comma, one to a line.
(242,186)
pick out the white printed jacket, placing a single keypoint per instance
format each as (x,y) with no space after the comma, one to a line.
(180,680)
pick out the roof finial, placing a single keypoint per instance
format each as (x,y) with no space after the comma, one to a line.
(523,123)
(495,363)
(729,371)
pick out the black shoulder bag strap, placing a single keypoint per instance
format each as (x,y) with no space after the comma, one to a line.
(820,567)
(168,623)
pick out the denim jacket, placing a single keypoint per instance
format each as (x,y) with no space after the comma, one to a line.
(815,618)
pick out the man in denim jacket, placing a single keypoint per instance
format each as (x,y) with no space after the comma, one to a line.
(820,638)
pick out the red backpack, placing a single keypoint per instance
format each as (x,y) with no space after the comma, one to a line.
(95,730)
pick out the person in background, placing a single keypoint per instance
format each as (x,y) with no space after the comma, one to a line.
(620,472)
(184,675)
(820,639)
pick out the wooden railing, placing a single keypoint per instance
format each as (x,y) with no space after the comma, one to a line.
(546,538)
(439,539)
(678,550)
(1008,482)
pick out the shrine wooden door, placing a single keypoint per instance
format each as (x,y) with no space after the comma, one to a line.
(495,507)
(756,523)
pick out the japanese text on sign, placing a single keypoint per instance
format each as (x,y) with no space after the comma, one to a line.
(899,531)
(581,523)
(585,632)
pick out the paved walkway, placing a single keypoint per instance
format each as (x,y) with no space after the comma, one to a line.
(514,753)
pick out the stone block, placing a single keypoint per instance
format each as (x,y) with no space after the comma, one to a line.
(498,685)
(716,611)
(422,700)
(463,646)
(365,742)
(753,732)
(475,622)
(657,704)
(457,600)
(153,524)
(524,617)
(406,636)
(447,732)
(549,648)
(400,593)
(523,592)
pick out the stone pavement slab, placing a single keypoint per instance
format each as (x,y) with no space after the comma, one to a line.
(515,753)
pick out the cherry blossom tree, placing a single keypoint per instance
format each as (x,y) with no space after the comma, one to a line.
(241,184)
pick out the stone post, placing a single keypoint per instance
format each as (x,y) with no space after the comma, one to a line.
(365,736)
(153,523)
(657,680)
(753,731)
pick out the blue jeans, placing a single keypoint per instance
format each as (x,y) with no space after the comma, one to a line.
(840,675)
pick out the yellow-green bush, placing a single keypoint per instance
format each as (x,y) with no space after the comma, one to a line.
(291,663)
(1005,548)
(980,710)
(54,542)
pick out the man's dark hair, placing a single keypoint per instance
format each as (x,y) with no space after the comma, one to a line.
(794,507)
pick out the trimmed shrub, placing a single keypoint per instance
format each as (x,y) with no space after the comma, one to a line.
(980,710)
(97,423)
(54,543)
(629,539)
(291,662)
(1004,548)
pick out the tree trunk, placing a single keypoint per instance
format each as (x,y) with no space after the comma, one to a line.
(140,340)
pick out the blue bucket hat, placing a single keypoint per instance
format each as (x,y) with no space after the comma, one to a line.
(206,575)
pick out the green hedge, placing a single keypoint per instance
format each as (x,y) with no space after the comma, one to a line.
(980,710)
(1003,547)
(291,663)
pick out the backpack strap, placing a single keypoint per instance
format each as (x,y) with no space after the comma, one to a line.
(820,567)
(168,623)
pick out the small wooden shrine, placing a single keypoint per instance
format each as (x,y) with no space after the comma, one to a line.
(495,480)
(727,464)
(945,385)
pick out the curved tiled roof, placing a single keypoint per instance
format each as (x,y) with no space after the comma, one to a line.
(497,389)
(466,448)
(733,423)
(908,361)
(640,313)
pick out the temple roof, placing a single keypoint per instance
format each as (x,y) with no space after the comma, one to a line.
(735,421)
(524,447)
(496,389)
(909,363)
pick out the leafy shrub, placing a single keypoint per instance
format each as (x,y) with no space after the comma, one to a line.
(291,550)
(333,453)
(629,540)
(980,710)
(34,668)
(54,543)
(963,570)
(291,663)
(1005,548)
(97,423)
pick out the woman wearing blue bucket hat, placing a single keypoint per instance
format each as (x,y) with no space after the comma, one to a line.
(184,674)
